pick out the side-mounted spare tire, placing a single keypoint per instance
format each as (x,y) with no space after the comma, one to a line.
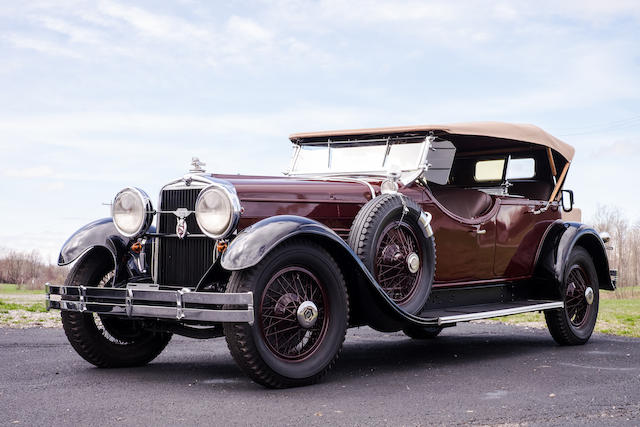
(396,248)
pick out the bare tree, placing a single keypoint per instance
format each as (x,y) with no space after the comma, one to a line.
(14,266)
(28,270)
(625,239)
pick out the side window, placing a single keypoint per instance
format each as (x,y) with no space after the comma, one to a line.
(489,170)
(521,168)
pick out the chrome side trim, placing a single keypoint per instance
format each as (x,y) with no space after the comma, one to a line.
(345,178)
(444,320)
(140,300)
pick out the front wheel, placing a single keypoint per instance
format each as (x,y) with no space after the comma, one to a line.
(301,316)
(574,324)
(107,341)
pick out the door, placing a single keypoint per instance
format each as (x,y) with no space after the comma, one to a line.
(464,250)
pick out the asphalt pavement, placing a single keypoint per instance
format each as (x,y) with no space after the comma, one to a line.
(484,374)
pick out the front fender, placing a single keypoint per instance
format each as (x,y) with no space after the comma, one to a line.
(560,239)
(371,302)
(101,234)
(256,241)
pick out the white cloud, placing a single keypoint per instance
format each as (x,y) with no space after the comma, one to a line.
(153,24)
(29,172)
(40,45)
(75,33)
(248,29)
(53,186)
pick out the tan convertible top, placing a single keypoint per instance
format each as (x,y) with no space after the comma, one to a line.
(517,132)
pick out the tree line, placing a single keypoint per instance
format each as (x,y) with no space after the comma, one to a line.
(28,270)
(624,253)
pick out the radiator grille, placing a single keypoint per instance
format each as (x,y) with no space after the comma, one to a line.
(182,262)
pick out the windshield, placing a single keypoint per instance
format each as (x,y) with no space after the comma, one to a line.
(364,157)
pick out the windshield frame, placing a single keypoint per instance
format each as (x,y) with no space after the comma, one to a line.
(388,141)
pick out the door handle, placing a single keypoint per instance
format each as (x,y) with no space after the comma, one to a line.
(478,230)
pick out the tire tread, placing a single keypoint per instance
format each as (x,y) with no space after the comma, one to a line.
(241,346)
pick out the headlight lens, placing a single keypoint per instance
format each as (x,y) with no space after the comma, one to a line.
(132,212)
(216,212)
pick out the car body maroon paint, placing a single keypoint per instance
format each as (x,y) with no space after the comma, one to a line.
(413,228)
(505,252)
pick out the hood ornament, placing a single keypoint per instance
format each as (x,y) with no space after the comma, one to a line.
(197,165)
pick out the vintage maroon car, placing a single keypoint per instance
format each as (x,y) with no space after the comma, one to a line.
(408,228)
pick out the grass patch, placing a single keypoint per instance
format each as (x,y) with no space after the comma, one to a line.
(622,292)
(38,307)
(615,316)
(6,288)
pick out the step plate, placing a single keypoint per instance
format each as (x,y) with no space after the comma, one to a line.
(486,311)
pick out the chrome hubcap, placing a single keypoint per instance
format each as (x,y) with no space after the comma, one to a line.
(307,314)
(588,295)
(413,262)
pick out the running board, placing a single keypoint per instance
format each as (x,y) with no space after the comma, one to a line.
(467,313)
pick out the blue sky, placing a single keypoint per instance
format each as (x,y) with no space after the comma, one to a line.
(100,95)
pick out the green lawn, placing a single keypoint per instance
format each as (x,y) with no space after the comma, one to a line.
(5,307)
(6,288)
(624,292)
(616,316)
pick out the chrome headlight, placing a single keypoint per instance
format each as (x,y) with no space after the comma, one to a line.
(132,212)
(217,211)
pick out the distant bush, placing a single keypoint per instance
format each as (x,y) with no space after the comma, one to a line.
(625,242)
(28,271)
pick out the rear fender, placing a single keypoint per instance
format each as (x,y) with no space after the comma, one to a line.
(369,303)
(559,241)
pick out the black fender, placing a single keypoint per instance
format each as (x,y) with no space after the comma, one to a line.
(558,242)
(369,303)
(102,235)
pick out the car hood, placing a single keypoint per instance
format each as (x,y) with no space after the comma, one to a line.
(294,189)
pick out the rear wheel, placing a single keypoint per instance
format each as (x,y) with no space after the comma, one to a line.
(107,341)
(302,311)
(574,324)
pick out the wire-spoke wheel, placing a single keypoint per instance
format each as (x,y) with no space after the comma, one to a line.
(397,264)
(102,340)
(302,314)
(578,297)
(574,323)
(293,313)
(393,244)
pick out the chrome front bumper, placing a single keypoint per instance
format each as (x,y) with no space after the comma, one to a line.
(138,300)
